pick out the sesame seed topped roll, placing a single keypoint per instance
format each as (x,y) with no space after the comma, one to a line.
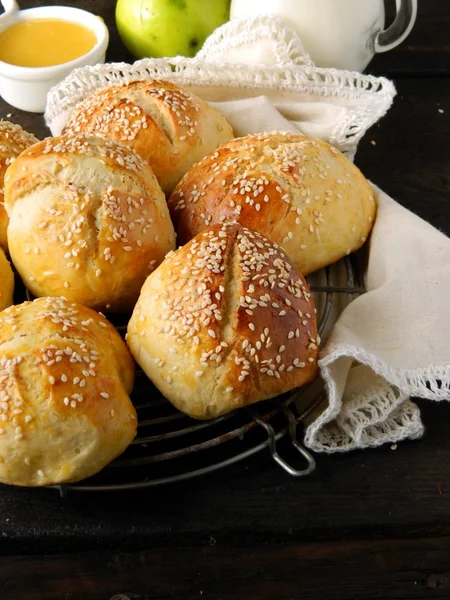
(88,221)
(13,141)
(168,126)
(225,321)
(65,376)
(301,193)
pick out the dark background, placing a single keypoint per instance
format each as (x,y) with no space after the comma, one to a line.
(366,525)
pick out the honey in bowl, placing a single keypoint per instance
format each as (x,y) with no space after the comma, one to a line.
(45,42)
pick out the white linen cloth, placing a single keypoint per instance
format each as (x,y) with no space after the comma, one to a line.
(391,343)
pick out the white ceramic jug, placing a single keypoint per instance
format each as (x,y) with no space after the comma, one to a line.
(344,34)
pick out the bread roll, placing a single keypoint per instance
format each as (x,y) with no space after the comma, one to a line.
(301,193)
(6,282)
(65,376)
(88,221)
(13,141)
(168,126)
(223,322)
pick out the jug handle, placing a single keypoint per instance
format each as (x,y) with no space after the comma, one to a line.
(389,38)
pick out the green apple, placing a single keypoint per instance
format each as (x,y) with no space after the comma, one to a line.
(168,27)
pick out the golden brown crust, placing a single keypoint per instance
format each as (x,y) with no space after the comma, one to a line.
(301,193)
(88,220)
(225,321)
(65,376)
(13,141)
(168,126)
(6,282)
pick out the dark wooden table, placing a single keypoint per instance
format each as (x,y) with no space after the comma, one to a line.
(366,525)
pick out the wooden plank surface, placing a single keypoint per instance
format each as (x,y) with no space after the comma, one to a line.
(375,494)
(410,569)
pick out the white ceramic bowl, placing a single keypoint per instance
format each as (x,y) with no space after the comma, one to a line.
(27,87)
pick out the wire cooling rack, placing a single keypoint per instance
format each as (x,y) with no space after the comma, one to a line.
(171,447)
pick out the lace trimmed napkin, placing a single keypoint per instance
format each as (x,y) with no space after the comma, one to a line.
(392,342)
